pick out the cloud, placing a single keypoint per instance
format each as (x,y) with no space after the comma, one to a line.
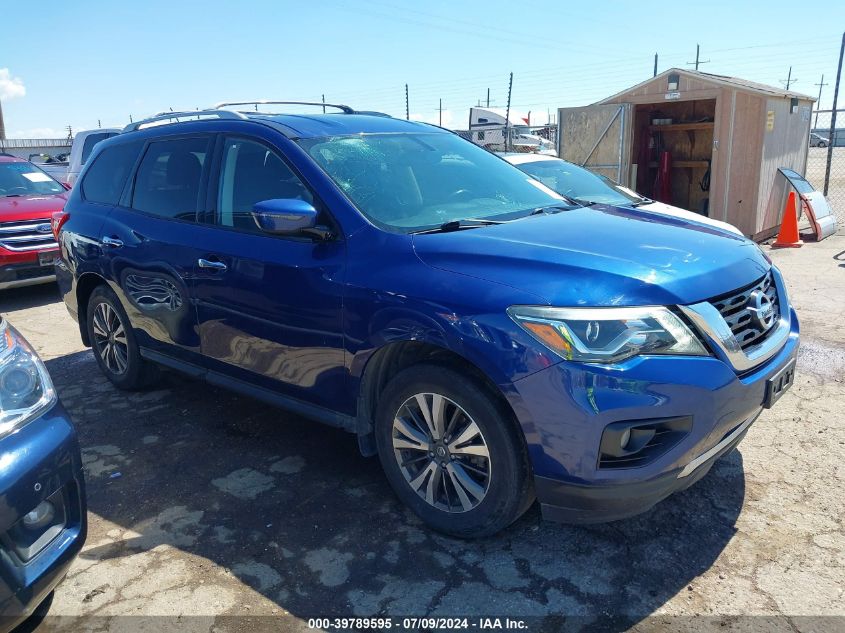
(10,87)
(38,132)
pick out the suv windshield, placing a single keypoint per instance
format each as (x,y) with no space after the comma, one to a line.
(25,179)
(411,182)
(578,183)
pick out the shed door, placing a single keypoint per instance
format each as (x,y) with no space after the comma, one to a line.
(597,137)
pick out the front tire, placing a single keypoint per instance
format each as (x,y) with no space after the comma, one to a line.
(114,344)
(452,452)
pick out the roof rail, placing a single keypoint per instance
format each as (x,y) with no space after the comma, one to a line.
(373,113)
(344,108)
(175,116)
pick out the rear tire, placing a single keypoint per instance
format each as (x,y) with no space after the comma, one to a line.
(114,345)
(452,452)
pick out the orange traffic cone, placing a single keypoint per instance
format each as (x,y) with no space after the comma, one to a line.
(788,236)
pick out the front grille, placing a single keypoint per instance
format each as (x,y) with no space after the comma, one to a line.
(26,235)
(739,312)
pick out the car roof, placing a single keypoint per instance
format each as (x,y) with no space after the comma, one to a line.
(8,158)
(294,126)
(318,125)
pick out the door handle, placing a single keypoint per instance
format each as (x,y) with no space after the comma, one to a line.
(110,241)
(205,263)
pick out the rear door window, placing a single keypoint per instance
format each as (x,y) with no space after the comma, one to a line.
(106,177)
(169,178)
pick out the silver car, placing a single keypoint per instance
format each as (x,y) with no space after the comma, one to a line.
(817,140)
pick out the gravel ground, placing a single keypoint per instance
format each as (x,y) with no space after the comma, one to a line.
(209,511)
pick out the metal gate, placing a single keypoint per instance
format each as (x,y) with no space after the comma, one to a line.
(597,137)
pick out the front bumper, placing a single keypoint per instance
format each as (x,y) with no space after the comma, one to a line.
(41,462)
(571,503)
(564,410)
(28,273)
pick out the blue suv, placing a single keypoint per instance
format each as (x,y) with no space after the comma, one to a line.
(489,339)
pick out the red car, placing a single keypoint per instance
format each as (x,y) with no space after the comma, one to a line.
(28,199)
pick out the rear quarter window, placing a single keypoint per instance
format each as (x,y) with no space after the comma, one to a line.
(91,141)
(106,177)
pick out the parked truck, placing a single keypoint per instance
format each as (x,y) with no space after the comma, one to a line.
(491,126)
(67,171)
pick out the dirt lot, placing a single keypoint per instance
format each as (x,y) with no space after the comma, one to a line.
(205,505)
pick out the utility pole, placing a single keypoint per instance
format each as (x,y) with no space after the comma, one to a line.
(655,65)
(789,80)
(508,114)
(324,104)
(697,58)
(69,133)
(833,118)
(99,125)
(821,85)
(440,110)
(488,97)
(407,105)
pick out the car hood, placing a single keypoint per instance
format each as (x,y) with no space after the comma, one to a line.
(30,207)
(600,256)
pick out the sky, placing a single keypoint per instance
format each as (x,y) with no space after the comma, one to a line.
(90,62)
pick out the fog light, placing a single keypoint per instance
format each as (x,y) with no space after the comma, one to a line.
(41,516)
(633,443)
(626,436)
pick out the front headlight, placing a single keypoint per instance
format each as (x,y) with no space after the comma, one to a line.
(607,335)
(25,386)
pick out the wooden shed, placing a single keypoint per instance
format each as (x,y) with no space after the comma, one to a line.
(707,143)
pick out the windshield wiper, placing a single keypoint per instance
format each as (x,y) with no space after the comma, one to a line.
(641,202)
(457,225)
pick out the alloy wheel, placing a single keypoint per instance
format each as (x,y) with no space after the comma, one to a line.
(441,452)
(110,338)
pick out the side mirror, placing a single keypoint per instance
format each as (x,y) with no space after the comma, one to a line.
(284,216)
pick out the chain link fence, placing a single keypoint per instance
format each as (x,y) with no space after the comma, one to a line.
(519,138)
(824,144)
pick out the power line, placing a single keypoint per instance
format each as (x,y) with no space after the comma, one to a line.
(529,78)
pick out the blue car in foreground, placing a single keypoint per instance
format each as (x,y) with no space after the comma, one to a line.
(42,490)
(489,339)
